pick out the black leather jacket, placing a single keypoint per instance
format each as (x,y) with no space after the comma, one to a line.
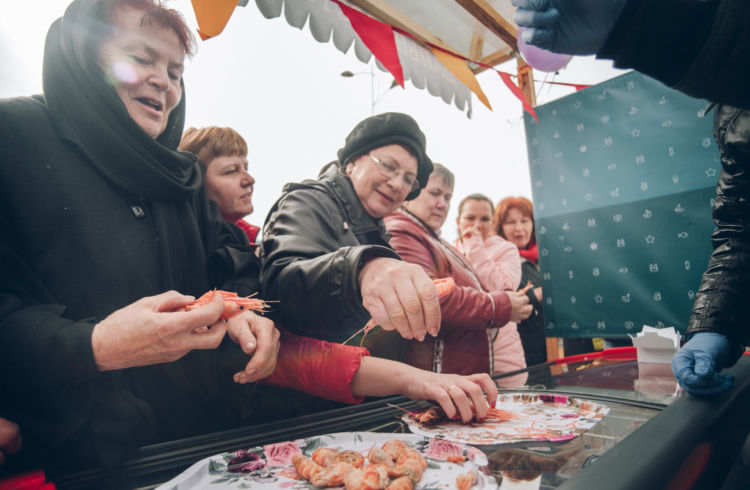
(316,238)
(719,303)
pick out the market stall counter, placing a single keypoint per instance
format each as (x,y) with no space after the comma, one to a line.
(643,432)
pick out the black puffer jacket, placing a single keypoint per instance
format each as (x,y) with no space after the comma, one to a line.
(315,240)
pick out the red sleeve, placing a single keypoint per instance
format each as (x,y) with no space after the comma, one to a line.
(320,368)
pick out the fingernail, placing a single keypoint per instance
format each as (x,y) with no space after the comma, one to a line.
(250,345)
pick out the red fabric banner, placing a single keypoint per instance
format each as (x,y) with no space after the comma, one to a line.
(379,39)
(518,93)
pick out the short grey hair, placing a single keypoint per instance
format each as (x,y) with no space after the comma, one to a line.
(446,176)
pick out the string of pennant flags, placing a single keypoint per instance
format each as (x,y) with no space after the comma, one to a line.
(379,37)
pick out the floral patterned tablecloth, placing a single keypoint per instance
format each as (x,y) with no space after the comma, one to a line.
(270,466)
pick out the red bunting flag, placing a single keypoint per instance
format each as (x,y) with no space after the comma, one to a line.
(379,39)
(518,93)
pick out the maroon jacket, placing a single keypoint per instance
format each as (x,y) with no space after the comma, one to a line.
(469,313)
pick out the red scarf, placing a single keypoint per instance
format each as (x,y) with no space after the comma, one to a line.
(250,230)
(530,253)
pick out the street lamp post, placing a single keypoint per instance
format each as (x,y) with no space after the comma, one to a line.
(371,73)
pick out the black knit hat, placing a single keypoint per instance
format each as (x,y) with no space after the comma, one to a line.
(388,129)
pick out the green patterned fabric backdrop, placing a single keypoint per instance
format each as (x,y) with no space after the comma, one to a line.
(623,175)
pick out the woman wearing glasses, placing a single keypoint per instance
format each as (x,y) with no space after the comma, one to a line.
(326,257)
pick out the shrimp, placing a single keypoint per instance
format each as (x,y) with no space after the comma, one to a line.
(431,416)
(378,456)
(306,467)
(395,448)
(351,457)
(465,481)
(411,464)
(444,286)
(497,414)
(233,304)
(371,477)
(526,288)
(332,476)
(324,456)
(401,483)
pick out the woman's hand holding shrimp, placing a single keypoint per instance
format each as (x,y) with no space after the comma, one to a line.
(520,309)
(460,397)
(400,296)
(257,337)
(153,330)
(464,397)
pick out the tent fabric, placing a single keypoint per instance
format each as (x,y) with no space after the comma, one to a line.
(623,175)
(327,23)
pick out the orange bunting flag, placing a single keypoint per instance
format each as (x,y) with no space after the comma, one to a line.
(518,93)
(379,39)
(212,16)
(461,70)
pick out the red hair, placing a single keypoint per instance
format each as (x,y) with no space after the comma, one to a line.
(520,203)
(213,142)
(153,12)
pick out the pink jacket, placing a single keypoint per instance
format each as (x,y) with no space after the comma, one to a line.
(498,265)
(469,313)
(496,261)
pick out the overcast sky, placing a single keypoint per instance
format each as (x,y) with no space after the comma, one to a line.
(282,90)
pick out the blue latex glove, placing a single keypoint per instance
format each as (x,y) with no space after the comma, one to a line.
(567,26)
(696,366)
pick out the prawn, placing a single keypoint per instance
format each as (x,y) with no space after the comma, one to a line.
(497,414)
(411,464)
(401,483)
(371,477)
(464,481)
(333,476)
(428,416)
(306,467)
(526,288)
(324,456)
(444,286)
(395,448)
(233,304)
(378,456)
(352,457)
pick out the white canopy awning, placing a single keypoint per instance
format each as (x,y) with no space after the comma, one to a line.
(479,30)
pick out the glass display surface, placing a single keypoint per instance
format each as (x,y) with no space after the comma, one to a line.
(624,394)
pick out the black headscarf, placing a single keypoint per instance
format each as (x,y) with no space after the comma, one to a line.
(87,110)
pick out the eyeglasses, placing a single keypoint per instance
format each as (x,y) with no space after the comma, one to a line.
(391,169)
